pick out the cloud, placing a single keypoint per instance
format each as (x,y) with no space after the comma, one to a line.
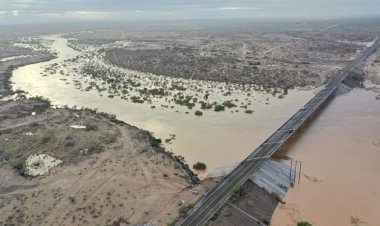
(86,14)
(20,6)
(76,15)
(33,11)
(26,1)
(12,13)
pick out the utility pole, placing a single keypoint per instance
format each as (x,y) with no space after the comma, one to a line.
(291,168)
(299,173)
(295,172)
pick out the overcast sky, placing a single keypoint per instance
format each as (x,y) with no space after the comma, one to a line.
(51,11)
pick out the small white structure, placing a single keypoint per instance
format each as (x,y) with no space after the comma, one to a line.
(38,165)
(78,127)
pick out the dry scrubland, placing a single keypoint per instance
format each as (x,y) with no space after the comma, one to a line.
(124,176)
(270,54)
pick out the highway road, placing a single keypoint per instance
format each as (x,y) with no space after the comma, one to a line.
(215,198)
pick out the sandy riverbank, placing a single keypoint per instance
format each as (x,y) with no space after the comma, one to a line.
(110,173)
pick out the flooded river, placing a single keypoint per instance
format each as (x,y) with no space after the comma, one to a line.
(340,152)
(216,138)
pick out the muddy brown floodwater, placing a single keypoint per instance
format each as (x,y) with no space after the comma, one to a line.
(216,138)
(340,152)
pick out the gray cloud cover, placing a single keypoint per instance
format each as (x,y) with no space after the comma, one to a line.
(37,11)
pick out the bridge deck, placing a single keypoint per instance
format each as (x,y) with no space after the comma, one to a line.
(218,195)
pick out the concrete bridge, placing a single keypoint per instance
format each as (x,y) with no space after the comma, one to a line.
(216,197)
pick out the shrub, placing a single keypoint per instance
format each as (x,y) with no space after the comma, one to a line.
(254,63)
(70,143)
(34,124)
(205,105)
(184,209)
(219,107)
(185,101)
(155,142)
(136,99)
(266,222)
(198,113)
(20,167)
(303,223)
(229,104)
(153,92)
(45,139)
(91,127)
(199,166)
(95,148)
(43,100)
(178,87)
(355,76)
(248,111)
(120,221)
(72,199)
(237,191)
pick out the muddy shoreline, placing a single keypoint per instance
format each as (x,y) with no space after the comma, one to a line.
(156,143)
(31,126)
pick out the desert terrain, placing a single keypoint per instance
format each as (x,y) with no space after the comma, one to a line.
(266,55)
(111,172)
